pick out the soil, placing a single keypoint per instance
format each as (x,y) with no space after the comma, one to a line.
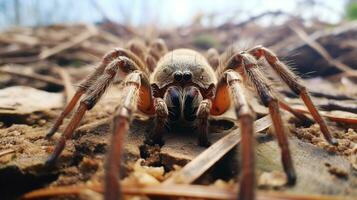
(321,168)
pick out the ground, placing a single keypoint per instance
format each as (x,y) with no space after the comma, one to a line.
(321,168)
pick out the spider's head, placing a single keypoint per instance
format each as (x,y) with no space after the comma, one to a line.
(183,78)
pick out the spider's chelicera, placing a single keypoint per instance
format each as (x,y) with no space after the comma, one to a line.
(186,87)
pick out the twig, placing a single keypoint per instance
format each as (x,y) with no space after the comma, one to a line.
(91,31)
(90,126)
(39,77)
(331,117)
(254,18)
(110,37)
(5,152)
(68,87)
(21,59)
(189,191)
(211,155)
(322,51)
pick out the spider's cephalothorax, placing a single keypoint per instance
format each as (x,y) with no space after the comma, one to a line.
(184,86)
(183,78)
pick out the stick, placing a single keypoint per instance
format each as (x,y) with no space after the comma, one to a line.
(39,77)
(66,45)
(322,51)
(331,117)
(68,87)
(194,169)
(6,151)
(189,191)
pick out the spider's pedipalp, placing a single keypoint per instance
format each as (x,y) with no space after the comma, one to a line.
(161,117)
(203,112)
(295,84)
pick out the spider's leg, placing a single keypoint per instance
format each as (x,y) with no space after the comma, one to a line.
(212,56)
(269,100)
(81,90)
(157,49)
(137,47)
(133,84)
(295,84)
(247,66)
(283,141)
(69,107)
(203,112)
(91,79)
(246,118)
(92,96)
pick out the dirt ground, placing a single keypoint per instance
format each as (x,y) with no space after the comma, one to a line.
(321,168)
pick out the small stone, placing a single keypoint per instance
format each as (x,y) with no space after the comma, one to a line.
(274,179)
(41,122)
(331,149)
(338,172)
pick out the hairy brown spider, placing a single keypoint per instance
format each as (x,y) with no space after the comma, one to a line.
(184,86)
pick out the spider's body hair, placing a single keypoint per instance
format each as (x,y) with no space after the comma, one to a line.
(183,60)
(183,97)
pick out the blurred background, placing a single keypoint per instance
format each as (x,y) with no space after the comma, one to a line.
(317,37)
(164,14)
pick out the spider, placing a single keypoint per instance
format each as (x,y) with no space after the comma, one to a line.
(185,87)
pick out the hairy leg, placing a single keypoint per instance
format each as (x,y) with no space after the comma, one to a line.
(137,47)
(121,121)
(89,81)
(157,49)
(69,107)
(295,84)
(269,100)
(92,96)
(283,141)
(212,56)
(246,118)
(247,66)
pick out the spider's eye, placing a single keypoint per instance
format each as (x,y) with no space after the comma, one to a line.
(178,76)
(187,76)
